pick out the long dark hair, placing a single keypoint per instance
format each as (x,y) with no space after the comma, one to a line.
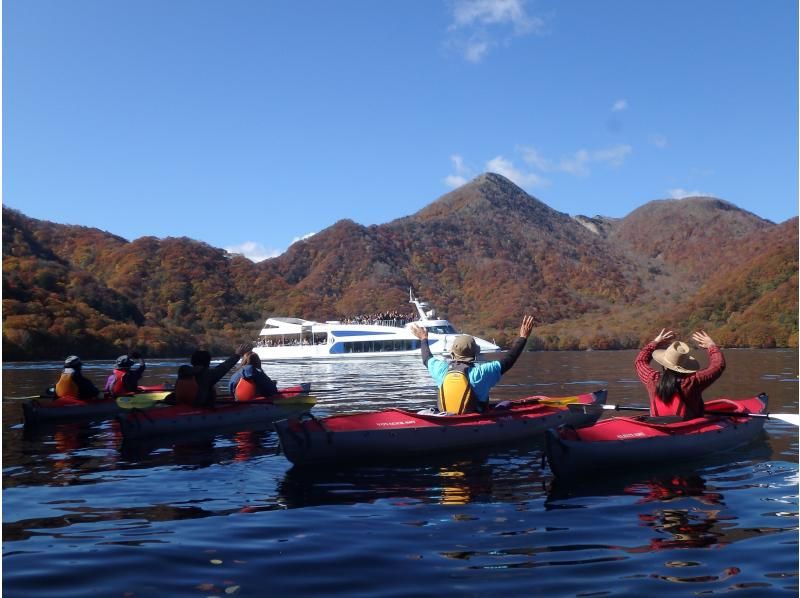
(668,385)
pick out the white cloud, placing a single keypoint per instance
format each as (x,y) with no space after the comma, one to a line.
(484,20)
(454,181)
(577,164)
(501,165)
(302,238)
(532,156)
(253,251)
(681,193)
(619,106)
(462,172)
(660,141)
(474,51)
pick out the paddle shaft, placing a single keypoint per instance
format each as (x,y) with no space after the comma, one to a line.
(788,417)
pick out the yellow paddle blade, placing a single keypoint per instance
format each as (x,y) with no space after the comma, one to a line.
(299,400)
(142,400)
(561,401)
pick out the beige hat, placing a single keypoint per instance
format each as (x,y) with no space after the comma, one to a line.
(676,358)
(464,348)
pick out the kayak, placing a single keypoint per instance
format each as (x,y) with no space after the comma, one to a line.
(624,442)
(399,433)
(163,420)
(53,409)
(50,408)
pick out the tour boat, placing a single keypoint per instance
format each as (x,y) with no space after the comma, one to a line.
(295,338)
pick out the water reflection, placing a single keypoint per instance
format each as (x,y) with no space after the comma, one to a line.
(456,480)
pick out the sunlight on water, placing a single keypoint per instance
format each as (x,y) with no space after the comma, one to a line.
(224,513)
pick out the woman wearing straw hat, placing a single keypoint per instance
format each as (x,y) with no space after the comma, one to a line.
(677,388)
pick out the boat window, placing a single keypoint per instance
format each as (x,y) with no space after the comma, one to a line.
(442,329)
(380,346)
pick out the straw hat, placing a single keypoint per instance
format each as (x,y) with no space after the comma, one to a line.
(676,358)
(464,348)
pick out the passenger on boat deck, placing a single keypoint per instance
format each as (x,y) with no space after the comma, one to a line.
(73,384)
(126,375)
(251,381)
(677,389)
(464,385)
(199,389)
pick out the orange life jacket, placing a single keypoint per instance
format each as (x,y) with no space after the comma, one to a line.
(186,391)
(66,386)
(245,390)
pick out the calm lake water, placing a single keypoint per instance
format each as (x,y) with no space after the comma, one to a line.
(226,515)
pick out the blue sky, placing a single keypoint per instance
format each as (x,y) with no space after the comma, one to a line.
(250,124)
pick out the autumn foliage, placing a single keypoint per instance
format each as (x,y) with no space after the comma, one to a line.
(483,254)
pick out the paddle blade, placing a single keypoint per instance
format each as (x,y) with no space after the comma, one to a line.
(791,418)
(142,401)
(300,400)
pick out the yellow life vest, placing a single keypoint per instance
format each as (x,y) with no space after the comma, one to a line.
(456,394)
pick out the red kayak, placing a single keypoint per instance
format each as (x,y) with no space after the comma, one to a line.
(47,408)
(397,433)
(624,442)
(163,419)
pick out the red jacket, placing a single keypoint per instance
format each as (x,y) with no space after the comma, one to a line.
(692,385)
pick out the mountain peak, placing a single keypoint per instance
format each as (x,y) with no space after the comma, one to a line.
(486,193)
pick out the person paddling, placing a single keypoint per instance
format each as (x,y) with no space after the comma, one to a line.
(677,388)
(464,385)
(126,375)
(72,383)
(251,382)
(198,388)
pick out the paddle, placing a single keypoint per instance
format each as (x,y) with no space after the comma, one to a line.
(145,401)
(27,398)
(792,418)
(142,400)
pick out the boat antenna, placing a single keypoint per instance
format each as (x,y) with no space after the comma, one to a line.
(423,316)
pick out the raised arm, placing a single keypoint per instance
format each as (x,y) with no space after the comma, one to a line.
(422,334)
(510,358)
(716,360)
(642,363)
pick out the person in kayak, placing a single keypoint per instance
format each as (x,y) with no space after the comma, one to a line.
(72,382)
(126,375)
(677,389)
(464,385)
(251,381)
(199,387)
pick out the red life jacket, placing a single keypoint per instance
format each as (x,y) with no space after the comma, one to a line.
(118,388)
(245,390)
(186,391)
(675,406)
